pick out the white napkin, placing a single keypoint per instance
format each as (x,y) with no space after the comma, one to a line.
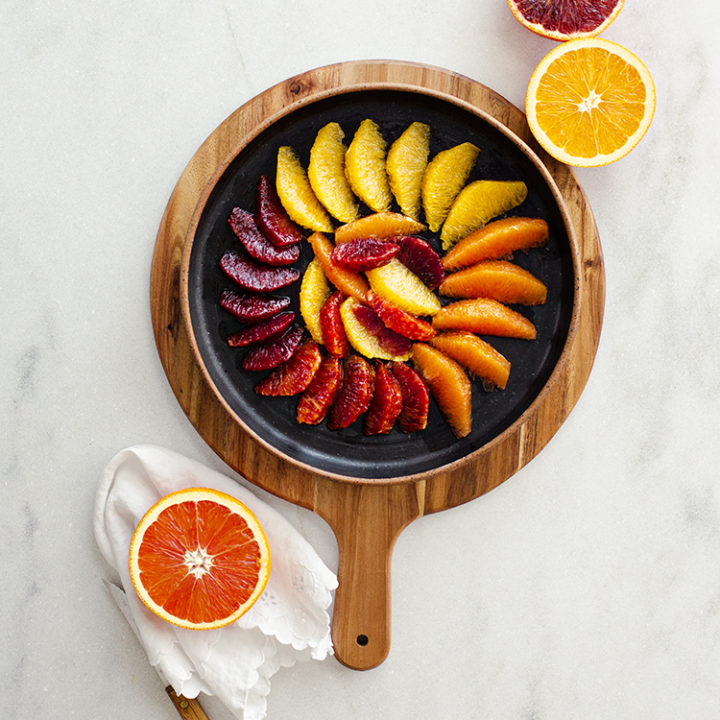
(289,622)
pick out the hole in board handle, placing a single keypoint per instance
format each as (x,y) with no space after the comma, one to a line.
(362,640)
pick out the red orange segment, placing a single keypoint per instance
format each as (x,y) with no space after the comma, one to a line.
(320,393)
(476,355)
(496,240)
(295,375)
(485,317)
(401,322)
(331,326)
(354,395)
(386,403)
(415,398)
(497,279)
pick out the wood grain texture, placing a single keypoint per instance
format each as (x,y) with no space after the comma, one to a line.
(188,709)
(366,515)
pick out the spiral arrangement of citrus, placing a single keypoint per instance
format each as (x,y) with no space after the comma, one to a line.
(393,303)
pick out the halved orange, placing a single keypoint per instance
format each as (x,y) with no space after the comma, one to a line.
(566,19)
(199,559)
(589,102)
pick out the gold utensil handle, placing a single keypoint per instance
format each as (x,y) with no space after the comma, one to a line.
(187,709)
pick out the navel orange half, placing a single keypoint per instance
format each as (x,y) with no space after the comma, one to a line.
(199,559)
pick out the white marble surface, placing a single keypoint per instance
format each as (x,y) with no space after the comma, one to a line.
(587,586)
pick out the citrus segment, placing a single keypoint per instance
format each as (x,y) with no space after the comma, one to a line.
(496,240)
(566,19)
(477,204)
(444,177)
(589,102)
(496,279)
(395,283)
(349,282)
(326,173)
(379,225)
(485,317)
(314,291)
(364,342)
(365,167)
(448,384)
(476,355)
(406,163)
(296,195)
(199,559)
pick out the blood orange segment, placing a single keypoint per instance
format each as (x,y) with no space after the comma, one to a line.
(485,317)
(274,351)
(355,393)
(474,354)
(386,403)
(364,254)
(390,341)
(295,375)
(421,258)
(566,19)
(255,276)
(496,279)
(361,337)
(252,308)
(393,317)
(262,331)
(199,559)
(320,393)
(349,282)
(331,326)
(256,244)
(415,398)
(379,225)
(448,384)
(496,240)
(271,217)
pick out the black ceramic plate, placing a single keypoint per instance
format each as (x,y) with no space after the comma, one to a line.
(349,452)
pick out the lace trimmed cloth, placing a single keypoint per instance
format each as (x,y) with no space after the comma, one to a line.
(289,623)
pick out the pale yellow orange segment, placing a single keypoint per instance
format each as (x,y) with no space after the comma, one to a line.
(326,173)
(589,102)
(365,167)
(477,204)
(378,225)
(314,291)
(362,340)
(406,163)
(398,285)
(296,195)
(444,177)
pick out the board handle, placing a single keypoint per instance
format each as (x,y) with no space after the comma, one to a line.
(366,520)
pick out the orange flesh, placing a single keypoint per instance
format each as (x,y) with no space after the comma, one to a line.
(485,317)
(379,225)
(473,353)
(193,527)
(496,279)
(496,240)
(350,283)
(448,384)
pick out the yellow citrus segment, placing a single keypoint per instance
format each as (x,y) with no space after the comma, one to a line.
(199,559)
(379,225)
(326,173)
(314,291)
(365,167)
(296,195)
(477,204)
(406,163)
(398,285)
(589,102)
(476,355)
(444,177)
(360,337)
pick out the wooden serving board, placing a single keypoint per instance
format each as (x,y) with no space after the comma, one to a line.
(367,515)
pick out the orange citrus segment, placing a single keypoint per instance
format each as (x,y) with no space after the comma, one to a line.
(477,204)
(296,195)
(444,177)
(395,283)
(473,353)
(360,337)
(378,225)
(496,240)
(485,317)
(566,19)
(497,279)
(199,559)
(326,173)
(347,281)
(365,167)
(589,102)
(406,163)
(314,291)
(448,384)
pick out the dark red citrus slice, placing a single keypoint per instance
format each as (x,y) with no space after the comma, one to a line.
(320,393)
(331,326)
(364,254)
(415,398)
(274,351)
(389,340)
(271,217)
(252,275)
(293,376)
(386,403)
(252,308)
(354,395)
(262,331)
(418,256)
(256,244)
(398,320)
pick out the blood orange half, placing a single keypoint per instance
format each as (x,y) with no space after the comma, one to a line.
(199,559)
(566,19)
